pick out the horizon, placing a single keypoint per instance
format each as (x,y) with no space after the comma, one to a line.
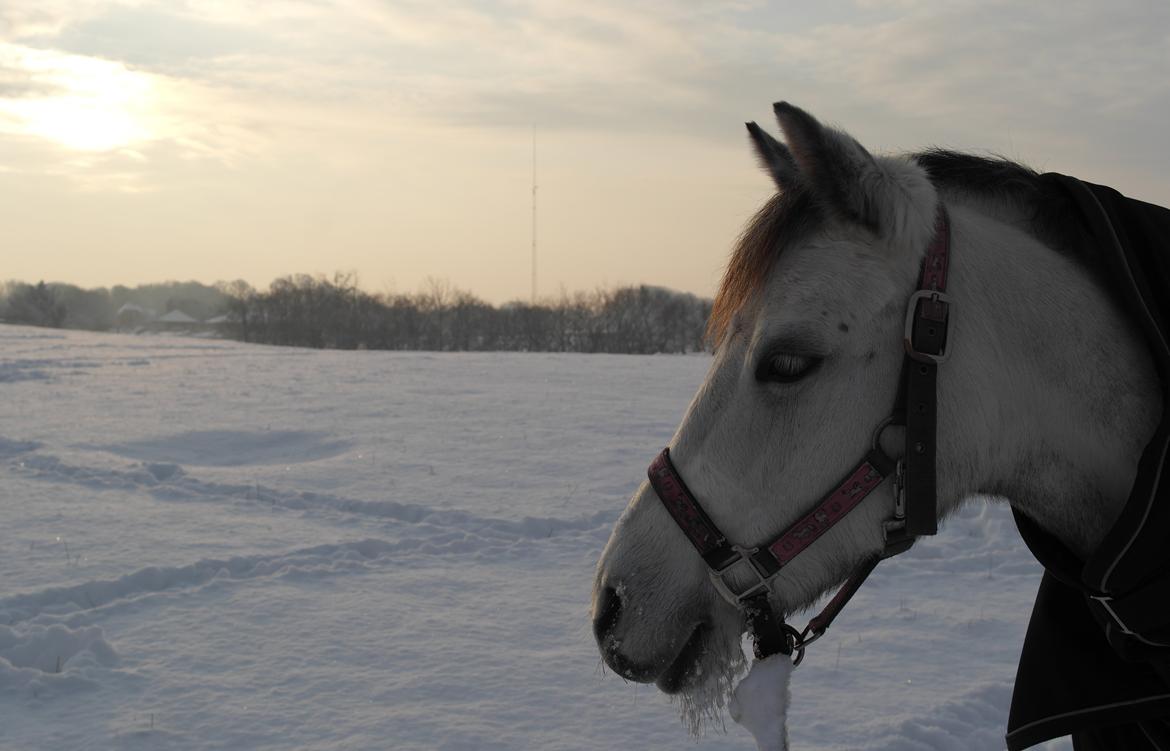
(549,296)
(141,141)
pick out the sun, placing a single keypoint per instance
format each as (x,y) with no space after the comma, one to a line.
(82,125)
(81,103)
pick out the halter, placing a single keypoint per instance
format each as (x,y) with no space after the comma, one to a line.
(915,510)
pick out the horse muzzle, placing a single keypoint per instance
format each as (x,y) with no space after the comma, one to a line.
(672,665)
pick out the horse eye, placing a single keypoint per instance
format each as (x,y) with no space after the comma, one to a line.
(783,367)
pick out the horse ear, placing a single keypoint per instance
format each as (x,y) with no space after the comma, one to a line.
(835,166)
(774,157)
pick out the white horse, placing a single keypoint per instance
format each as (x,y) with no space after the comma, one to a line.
(1048,398)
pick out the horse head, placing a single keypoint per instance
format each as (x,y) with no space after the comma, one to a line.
(1048,397)
(809,345)
(808,327)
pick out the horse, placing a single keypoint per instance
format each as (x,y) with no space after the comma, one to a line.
(1049,397)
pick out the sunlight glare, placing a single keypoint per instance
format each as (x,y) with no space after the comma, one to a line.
(81,103)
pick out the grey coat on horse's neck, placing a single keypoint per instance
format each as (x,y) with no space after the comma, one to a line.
(1049,374)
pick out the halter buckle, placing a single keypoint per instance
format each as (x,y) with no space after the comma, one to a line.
(935,311)
(725,589)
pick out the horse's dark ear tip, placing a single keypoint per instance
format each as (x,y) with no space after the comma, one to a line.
(782,106)
(752,127)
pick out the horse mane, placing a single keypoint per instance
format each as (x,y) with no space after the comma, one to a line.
(1035,203)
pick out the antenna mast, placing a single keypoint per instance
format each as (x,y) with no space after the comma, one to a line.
(534,213)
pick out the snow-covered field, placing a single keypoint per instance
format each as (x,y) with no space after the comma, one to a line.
(209,545)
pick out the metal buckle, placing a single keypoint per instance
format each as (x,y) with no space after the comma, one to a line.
(894,529)
(724,589)
(908,331)
(900,490)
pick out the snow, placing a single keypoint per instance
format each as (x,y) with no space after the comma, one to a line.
(211,545)
(760,702)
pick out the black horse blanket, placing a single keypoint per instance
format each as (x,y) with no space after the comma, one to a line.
(1096,658)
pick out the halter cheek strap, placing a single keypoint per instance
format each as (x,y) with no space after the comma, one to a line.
(925,341)
(915,506)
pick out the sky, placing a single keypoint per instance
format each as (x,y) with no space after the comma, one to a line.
(143,140)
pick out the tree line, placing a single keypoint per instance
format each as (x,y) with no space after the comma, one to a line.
(68,306)
(334,313)
(323,312)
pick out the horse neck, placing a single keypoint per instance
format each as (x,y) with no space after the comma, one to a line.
(1075,393)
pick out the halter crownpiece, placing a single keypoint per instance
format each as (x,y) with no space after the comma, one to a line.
(915,507)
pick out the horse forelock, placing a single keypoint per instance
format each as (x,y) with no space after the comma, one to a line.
(787,217)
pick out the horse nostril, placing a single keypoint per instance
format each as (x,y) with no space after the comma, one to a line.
(605,613)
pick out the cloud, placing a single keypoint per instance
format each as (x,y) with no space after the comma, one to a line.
(17,82)
(23,19)
(1050,77)
(617,64)
(1009,58)
(1070,86)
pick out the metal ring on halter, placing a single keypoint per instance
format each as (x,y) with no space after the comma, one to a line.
(874,442)
(798,643)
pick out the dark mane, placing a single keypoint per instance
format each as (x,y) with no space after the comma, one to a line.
(1048,211)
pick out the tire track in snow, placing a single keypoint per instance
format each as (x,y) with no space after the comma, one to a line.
(80,604)
(171,482)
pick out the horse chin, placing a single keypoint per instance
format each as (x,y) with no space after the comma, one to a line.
(687,668)
(702,676)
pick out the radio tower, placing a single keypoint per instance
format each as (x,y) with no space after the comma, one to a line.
(534,214)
